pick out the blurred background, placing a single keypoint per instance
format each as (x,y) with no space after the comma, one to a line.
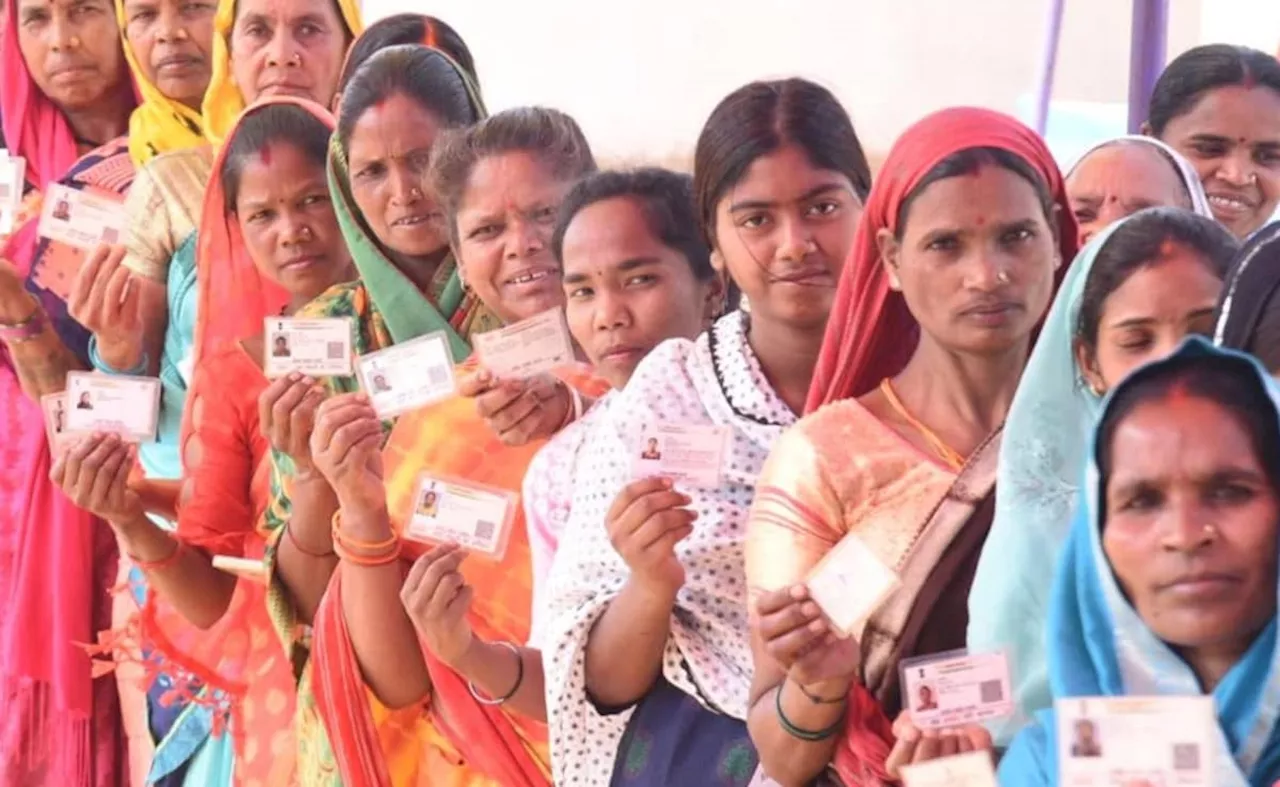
(641,77)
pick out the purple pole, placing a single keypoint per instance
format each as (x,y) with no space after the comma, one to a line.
(1048,63)
(1146,56)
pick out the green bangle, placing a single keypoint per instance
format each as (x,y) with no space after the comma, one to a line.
(802,734)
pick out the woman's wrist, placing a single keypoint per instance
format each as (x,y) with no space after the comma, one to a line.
(824,692)
(18,309)
(364,522)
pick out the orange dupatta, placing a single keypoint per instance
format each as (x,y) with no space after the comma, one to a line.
(450,439)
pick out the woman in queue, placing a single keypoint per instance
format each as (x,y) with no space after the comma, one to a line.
(1219,105)
(1131,296)
(1167,587)
(645,646)
(499,184)
(269,191)
(955,265)
(65,100)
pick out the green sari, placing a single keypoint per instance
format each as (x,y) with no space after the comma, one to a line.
(386,308)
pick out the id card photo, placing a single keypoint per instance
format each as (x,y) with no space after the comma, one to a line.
(112,404)
(957,688)
(316,347)
(528,348)
(476,517)
(690,455)
(81,219)
(1106,741)
(408,376)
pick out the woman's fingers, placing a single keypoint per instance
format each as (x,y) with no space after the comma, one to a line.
(413,581)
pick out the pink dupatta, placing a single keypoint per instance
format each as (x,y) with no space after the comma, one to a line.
(59,726)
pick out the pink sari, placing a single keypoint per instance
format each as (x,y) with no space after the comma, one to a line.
(60,725)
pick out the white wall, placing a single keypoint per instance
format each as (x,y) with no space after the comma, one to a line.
(641,77)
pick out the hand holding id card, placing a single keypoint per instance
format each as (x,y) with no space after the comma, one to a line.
(527,348)
(957,688)
(80,218)
(690,455)
(112,404)
(850,583)
(408,376)
(476,517)
(319,347)
(1136,740)
(971,769)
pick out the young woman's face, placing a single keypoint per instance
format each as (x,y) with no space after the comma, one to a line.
(976,260)
(288,223)
(1120,180)
(504,224)
(1149,315)
(288,48)
(1190,526)
(783,233)
(625,291)
(388,157)
(1232,136)
(72,49)
(171,41)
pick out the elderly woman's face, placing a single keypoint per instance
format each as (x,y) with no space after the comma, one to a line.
(1190,527)
(1120,180)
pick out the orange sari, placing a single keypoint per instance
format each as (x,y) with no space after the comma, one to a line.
(476,744)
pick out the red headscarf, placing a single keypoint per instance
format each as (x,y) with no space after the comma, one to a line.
(871,333)
(234,297)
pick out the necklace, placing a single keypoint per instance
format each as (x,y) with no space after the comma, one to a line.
(713,348)
(946,453)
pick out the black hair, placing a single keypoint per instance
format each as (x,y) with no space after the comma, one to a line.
(408,28)
(968,162)
(1137,244)
(761,118)
(1229,381)
(416,71)
(1204,68)
(550,135)
(265,126)
(665,199)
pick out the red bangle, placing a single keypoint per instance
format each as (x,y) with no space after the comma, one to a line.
(156,565)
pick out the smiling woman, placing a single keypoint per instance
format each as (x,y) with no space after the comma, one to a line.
(1219,105)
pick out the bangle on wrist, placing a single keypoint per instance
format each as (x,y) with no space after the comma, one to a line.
(814,698)
(100,363)
(475,693)
(810,736)
(363,553)
(304,549)
(163,563)
(26,329)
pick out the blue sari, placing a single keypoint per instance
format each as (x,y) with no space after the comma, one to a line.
(1098,646)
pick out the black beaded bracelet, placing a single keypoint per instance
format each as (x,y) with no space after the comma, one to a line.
(815,699)
(802,734)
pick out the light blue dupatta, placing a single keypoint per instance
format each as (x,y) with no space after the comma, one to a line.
(1098,646)
(1037,481)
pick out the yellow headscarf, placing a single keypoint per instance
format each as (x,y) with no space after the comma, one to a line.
(160,123)
(222,101)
